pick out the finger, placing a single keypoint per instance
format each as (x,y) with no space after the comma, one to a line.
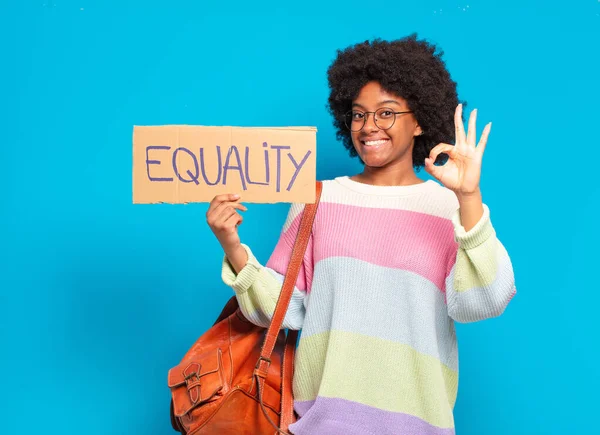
(217,210)
(230,223)
(227,208)
(225,197)
(435,171)
(441,148)
(484,138)
(458,125)
(212,215)
(234,221)
(236,205)
(472,131)
(224,217)
(221,198)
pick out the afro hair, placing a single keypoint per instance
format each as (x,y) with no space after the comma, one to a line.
(410,68)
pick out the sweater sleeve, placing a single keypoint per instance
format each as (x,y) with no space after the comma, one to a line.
(257,287)
(480,281)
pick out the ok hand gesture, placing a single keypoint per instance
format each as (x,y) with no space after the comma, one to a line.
(462,171)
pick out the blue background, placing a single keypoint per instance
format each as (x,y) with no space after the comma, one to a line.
(100,297)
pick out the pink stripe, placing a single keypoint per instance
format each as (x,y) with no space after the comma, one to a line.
(400,239)
(282,253)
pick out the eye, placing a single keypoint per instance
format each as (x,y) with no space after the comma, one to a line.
(358,116)
(385,114)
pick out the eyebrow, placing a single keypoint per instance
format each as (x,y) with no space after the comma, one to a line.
(379,104)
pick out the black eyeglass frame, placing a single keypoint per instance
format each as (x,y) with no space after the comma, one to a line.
(350,112)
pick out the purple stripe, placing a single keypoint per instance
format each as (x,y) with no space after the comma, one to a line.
(327,416)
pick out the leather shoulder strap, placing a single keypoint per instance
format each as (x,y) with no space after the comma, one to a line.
(291,276)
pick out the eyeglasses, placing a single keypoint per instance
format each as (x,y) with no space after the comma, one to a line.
(384,118)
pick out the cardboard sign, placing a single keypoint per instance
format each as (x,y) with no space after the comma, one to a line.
(180,164)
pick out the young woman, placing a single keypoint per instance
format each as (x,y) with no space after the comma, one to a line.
(393,260)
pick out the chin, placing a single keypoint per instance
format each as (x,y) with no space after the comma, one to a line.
(374,162)
(376,165)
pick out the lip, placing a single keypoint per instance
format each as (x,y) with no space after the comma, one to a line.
(374,142)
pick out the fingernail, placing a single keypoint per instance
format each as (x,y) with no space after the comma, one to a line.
(235,196)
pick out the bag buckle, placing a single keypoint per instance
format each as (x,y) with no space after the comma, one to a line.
(193,386)
(262,373)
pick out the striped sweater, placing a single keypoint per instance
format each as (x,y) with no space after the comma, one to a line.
(387,272)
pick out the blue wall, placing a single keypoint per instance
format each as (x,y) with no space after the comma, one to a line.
(100,297)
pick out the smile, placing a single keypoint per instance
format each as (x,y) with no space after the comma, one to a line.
(374,143)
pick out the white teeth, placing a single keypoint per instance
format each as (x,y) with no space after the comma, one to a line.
(371,143)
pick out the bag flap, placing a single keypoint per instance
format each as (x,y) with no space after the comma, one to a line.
(196,381)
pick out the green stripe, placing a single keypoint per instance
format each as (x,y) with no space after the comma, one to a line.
(478,267)
(375,372)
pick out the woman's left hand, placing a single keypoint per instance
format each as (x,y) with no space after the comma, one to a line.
(462,171)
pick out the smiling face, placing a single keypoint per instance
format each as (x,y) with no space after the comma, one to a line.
(384,148)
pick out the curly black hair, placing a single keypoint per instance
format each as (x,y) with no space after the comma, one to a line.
(410,68)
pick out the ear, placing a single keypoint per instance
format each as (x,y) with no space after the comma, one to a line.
(418,130)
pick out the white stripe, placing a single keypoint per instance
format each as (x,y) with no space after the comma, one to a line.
(352,295)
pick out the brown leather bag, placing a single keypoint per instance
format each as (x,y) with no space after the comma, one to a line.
(237,377)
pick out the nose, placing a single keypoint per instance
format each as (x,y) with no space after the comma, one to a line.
(370,123)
